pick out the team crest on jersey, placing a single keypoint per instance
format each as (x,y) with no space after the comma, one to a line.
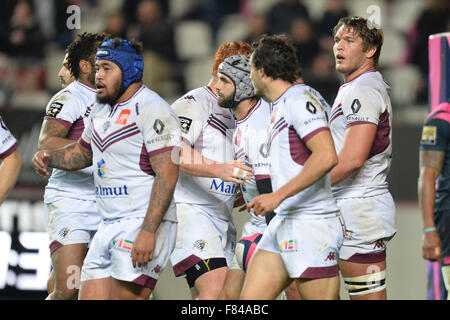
(63,232)
(101,168)
(54,109)
(200,244)
(106,126)
(185,124)
(429,134)
(123,117)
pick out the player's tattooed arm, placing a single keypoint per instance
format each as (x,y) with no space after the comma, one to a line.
(160,199)
(71,157)
(53,135)
(162,189)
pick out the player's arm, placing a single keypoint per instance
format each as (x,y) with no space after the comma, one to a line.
(322,159)
(9,172)
(195,164)
(71,157)
(161,196)
(53,135)
(431,163)
(358,141)
(265,186)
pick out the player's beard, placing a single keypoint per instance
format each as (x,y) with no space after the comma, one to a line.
(112,97)
(226,102)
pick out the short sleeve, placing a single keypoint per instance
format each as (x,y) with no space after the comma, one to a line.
(191,114)
(307,116)
(435,135)
(160,128)
(64,108)
(8,144)
(362,104)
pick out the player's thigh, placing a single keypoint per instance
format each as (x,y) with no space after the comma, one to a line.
(233,285)
(318,289)
(266,276)
(95,289)
(124,290)
(210,284)
(67,262)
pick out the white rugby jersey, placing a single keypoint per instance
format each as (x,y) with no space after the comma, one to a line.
(297,115)
(364,100)
(205,126)
(71,107)
(250,143)
(123,138)
(8,144)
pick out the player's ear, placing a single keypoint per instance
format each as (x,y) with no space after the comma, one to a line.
(371,52)
(85,66)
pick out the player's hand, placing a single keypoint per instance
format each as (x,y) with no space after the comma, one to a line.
(431,246)
(143,248)
(239,202)
(234,171)
(264,203)
(40,163)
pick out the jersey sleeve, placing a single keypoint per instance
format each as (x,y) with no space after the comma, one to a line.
(159,127)
(191,113)
(64,108)
(362,104)
(8,144)
(307,116)
(435,135)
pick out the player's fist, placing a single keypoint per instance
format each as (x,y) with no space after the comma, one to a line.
(40,163)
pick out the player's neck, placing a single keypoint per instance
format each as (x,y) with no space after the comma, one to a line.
(356,73)
(244,107)
(131,90)
(86,82)
(276,89)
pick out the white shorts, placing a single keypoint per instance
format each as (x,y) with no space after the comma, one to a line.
(370,224)
(71,221)
(309,246)
(110,252)
(201,236)
(248,230)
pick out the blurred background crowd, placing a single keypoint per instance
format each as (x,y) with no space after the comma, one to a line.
(180,37)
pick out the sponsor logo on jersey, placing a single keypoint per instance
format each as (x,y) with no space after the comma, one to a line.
(429,134)
(54,109)
(348,235)
(114,192)
(223,187)
(185,124)
(123,117)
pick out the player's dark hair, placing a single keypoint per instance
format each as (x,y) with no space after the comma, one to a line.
(371,35)
(137,45)
(84,47)
(278,56)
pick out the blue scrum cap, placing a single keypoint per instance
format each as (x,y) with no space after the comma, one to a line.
(125,56)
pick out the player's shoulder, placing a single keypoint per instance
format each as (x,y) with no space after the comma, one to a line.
(440,114)
(369,82)
(197,100)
